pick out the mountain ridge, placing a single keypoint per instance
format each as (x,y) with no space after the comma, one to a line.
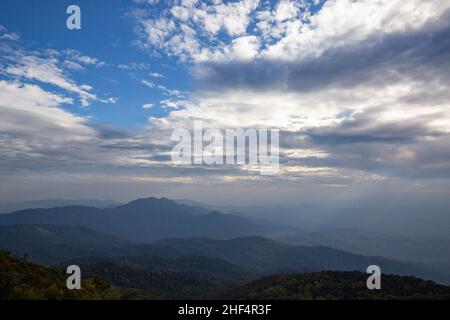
(10,207)
(144,220)
(52,244)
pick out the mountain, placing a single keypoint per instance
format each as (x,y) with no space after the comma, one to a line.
(246,256)
(151,219)
(50,244)
(186,277)
(414,220)
(205,266)
(23,280)
(268,256)
(432,252)
(205,208)
(143,220)
(332,285)
(53,203)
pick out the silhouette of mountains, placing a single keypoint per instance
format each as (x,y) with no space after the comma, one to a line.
(151,233)
(267,256)
(249,256)
(49,244)
(53,203)
(144,220)
(151,219)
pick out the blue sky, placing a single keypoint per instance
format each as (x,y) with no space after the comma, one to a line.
(107,34)
(358,89)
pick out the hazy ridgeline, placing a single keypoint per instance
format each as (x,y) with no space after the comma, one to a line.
(171,250)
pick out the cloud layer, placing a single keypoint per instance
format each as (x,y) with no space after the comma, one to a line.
(364,84)
(359,90)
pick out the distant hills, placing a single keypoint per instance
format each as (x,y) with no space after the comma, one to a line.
(157,248)
(144,220)
(268,256)
(251,256)
(53,203)
(49,244)
(155,219)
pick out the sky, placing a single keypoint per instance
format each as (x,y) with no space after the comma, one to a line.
(358,89)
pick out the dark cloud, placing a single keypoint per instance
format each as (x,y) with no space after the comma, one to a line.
(365,128)
(379,59)
(105,131)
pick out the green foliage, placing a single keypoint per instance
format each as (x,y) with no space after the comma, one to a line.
(21,280)
(149,277)
(339,285)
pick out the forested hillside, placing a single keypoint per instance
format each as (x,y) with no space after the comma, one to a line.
(22,280)
(340,285)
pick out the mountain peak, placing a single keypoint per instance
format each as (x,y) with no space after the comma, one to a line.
(141,202)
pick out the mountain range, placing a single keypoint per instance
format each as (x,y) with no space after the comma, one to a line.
(172,250)
(250,256)
(23,280)
(52,203)
(144,220)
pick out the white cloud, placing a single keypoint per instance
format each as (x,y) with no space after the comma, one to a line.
(166,91)
(341,23)
(31,111)
(83,59)
(158,30)
(112,100)
(132,66)
(148,84)
(254,49)
(245,48)
(286,10)
(289,31)
(73,65)
(156,75)
(151,2)
(8,36)
(176,104)
(392,119)
(187,29)
(47,71)
(180,12)
(51,67)
(38,135)
(233,17)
